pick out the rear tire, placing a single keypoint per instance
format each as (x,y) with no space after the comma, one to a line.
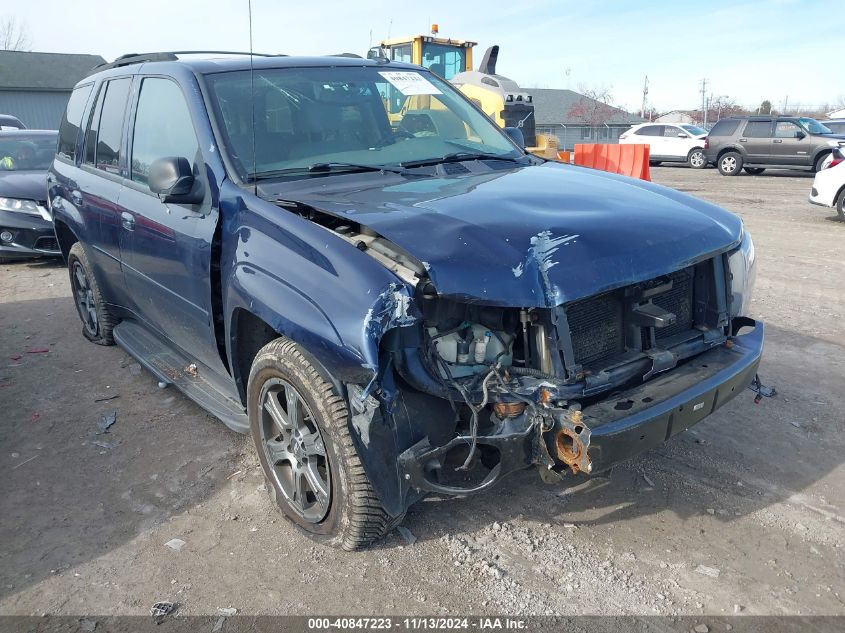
(840,205)
(696,159)
(754,171)
(309,460)
(730,163)
(97,322)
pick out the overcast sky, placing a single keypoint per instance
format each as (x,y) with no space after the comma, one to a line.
(748,49)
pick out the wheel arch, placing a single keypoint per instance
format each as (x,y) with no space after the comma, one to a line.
(730,148)
(249,332)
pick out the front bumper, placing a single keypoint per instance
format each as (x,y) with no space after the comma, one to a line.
(31,236)
(613,429)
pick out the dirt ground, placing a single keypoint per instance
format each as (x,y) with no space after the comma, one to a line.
(741,514)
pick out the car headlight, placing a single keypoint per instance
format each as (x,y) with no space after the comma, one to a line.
(28,207)
(742,263)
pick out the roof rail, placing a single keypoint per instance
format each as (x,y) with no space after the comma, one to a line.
(169,56)
(352,55)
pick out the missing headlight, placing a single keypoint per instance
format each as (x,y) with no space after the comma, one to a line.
(742,264)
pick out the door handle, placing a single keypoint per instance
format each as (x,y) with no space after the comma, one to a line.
(777,140)
(743,140)
(127,221)
(76,197)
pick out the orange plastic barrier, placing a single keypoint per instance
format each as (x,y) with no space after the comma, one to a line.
(564,156)
(627,160)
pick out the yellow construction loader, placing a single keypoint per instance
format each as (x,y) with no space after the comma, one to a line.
(499,97)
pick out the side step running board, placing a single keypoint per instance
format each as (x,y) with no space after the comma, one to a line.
(169,365)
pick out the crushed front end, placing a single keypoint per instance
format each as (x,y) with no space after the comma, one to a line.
(466,390)
(575,388)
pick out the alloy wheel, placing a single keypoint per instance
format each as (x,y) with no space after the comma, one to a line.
(696,160)
(729,163)
(295,451)
(84,296)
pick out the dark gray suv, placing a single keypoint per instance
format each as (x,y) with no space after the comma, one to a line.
(754,143)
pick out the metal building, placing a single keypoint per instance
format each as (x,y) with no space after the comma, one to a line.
(35,87)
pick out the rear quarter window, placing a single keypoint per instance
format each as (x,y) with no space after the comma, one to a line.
(650,130)
(725,127)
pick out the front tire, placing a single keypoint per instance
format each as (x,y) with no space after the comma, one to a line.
(97,322)
(298,422)
(654,163)
(754,171)
(821,161)
(730,163)
(840,205)
(696,159)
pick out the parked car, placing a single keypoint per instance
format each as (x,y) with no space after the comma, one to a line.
(348,260)
(26,227)
(9,122)
(667,143)
(829,184)
(837,126)
(755,143)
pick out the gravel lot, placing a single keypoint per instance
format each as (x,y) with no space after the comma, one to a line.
(742,514)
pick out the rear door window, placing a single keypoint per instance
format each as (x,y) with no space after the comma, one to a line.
(163,127)
(105,131)
(758,129)
(670,131)
(72,121)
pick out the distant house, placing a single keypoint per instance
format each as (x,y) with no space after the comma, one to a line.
(676,116)
(575,118)
(35,87)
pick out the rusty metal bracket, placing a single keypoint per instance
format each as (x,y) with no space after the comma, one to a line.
(572,441)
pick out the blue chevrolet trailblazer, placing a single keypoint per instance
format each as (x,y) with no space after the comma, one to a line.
(348,260)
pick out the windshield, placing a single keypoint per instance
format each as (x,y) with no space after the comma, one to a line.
(27,152)
(369,117)
(446,61)
(813,126)
(694,130)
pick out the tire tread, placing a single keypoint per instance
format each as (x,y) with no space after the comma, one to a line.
(368,520)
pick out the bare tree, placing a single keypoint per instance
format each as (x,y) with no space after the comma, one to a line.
(593,108)
(723,106)
(14,35)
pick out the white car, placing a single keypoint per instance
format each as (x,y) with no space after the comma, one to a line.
(669,143)
(829,184)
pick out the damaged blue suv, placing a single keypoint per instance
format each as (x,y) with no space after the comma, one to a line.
(348,260)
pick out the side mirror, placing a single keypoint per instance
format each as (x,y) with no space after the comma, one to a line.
(799,135)
(172,180)
(516,136)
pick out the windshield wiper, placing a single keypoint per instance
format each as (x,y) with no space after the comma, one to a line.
(457,157)
(317,168)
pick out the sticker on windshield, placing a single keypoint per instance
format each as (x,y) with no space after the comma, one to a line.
(410,84)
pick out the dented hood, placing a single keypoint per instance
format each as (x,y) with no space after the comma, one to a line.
(530,236)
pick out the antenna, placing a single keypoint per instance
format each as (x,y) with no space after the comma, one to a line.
(252,97)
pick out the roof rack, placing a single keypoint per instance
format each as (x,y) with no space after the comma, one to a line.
(169,56)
